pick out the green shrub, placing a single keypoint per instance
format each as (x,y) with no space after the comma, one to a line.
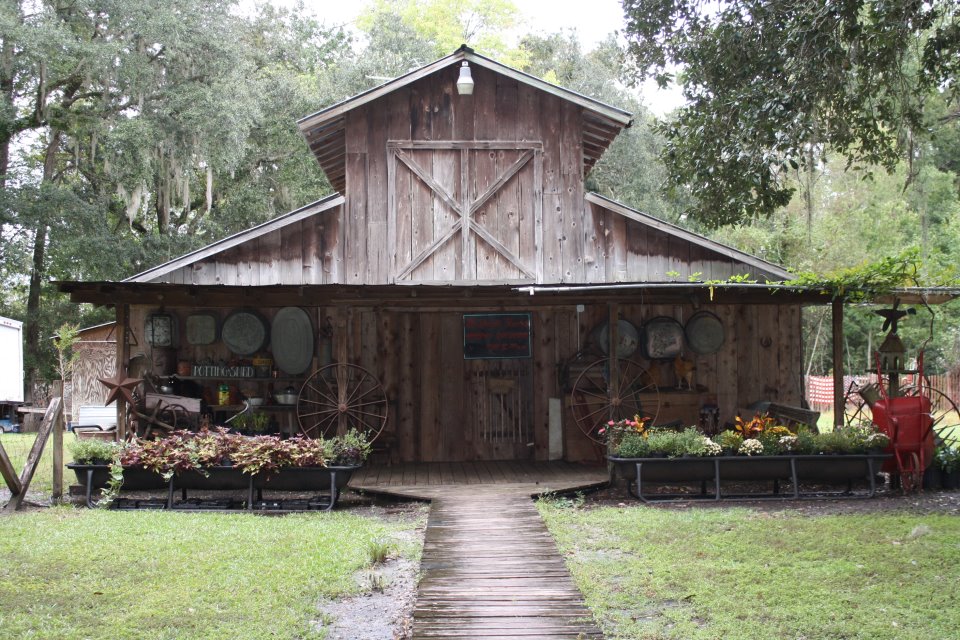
(948,458)
(351,448)
(93,451)
(674,444)
(836,441)
(771,443)
(633,445)
(729,441)
(693,442)
(806,442)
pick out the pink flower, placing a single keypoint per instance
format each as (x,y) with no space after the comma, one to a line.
(611,423)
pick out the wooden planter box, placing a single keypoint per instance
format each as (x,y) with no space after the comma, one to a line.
(712,472)
(327,480)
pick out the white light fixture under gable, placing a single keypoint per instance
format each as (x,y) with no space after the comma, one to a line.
(465,81)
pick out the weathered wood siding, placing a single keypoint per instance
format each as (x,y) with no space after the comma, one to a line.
(446,408)
(464,146)
(308,251)
(97,350)
(621,249)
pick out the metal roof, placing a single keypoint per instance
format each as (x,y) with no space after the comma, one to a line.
(321,205)
(774,271)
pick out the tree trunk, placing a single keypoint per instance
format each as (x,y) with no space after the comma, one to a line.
(39,267)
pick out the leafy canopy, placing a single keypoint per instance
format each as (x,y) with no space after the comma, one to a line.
(771,84)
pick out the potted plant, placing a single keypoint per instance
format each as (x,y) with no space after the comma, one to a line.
(93,452)
(729,442)
(947,460)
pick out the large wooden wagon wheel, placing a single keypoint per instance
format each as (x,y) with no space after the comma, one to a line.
(340,397)
(595,401)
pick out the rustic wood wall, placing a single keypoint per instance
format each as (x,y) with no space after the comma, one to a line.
(502,110)
(439,402)
(307,251)
(97,350)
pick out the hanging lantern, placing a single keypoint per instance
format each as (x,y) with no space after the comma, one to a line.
(465,81)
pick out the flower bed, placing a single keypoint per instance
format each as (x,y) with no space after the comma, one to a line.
(712,473)
(757,450)
(221,461)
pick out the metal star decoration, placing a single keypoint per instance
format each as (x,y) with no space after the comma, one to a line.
(120,386)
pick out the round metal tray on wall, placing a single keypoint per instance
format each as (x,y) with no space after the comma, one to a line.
(244,332)
(292,340)
(628,338)
(704,332)
(662,338)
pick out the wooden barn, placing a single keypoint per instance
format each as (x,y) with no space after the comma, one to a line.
(463,272)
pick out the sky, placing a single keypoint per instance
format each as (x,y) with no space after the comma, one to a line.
(540,16)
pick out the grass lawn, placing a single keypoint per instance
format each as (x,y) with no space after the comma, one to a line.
(72,573)
(739,573)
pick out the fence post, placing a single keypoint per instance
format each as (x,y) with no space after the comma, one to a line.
(53,414)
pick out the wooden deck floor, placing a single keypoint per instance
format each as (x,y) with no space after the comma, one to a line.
(490,567)
(428,480)
(492,570)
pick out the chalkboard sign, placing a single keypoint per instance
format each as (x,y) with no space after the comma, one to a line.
(496,335)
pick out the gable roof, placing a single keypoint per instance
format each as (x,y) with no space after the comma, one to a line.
(773,271)
(229,242)
(325,130)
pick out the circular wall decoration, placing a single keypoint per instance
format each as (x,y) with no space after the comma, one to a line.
(244,332)
(704,333)
(662,338)
(292,340)
(628,339)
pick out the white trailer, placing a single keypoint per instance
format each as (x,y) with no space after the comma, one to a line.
(11,371)
(11,355)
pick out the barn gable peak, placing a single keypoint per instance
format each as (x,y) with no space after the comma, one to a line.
(326,130)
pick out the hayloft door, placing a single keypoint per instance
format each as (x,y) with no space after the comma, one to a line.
(465,211)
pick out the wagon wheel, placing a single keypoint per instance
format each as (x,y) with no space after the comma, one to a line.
(340,397)
(593,404)
(856,411)
(911,475)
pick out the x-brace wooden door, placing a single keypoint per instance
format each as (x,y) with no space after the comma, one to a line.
(465,211)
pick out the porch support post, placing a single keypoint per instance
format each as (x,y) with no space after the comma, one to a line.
(123,358)
(341,337)
(613,326)
(838,362)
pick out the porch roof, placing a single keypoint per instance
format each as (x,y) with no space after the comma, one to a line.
(465,295)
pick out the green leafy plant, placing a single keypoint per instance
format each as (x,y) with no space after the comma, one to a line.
(668,443)
(93,451)
(261,454)
(352,448)
(729,441)
(947,458)
(633,445)
(114,484)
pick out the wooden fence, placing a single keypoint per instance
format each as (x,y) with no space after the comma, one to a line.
(819,389)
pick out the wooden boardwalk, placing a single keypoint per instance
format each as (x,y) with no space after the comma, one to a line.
(490,568)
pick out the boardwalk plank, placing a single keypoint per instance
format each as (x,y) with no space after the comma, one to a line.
(492,570)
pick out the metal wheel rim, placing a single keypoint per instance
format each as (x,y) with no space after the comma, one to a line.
(340,397)
(593,405)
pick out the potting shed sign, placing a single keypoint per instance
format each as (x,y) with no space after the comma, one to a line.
(496,335)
